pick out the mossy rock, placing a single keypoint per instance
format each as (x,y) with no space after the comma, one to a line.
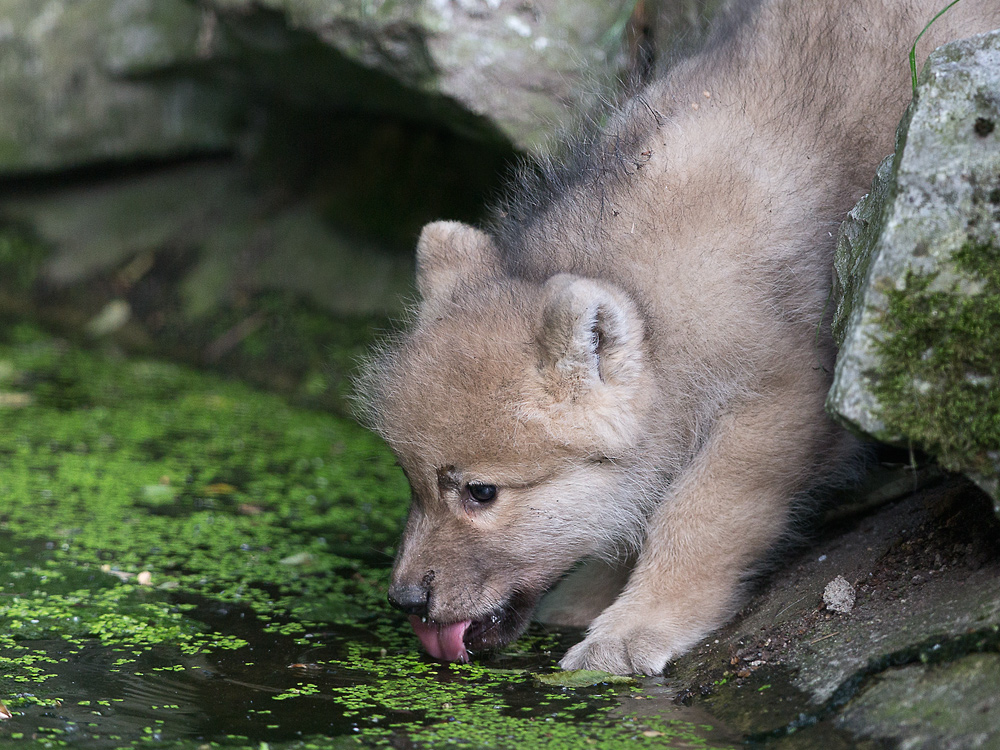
(951,705)
(573,678)
(920,359)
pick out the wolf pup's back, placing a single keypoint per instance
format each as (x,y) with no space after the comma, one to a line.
(624,372)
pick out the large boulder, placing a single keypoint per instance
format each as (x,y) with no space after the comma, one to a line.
(117,80)
(527,68)
(239,248)
(919,270)
(72,90)
(346,126)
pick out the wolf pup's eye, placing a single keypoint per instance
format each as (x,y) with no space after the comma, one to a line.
(482,493)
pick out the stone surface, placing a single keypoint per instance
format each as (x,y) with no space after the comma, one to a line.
(925,628)
(920,356)
(838,596)
(528,68)
(110,80)
(951,705)
(239,245)
(428,94)
(855,243)
(71,86)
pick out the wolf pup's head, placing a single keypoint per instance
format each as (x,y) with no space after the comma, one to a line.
(516,409)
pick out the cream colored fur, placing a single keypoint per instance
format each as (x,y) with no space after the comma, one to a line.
(632,359)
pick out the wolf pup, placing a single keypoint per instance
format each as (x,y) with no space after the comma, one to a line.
(622,379)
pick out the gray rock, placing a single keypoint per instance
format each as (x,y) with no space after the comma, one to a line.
(903,598)
(69,90)
(838,596)
(105,80)
(920,357)
(855,242)
(526,67)
(953,705)
(242,247)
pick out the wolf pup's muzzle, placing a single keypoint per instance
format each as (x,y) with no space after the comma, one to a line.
(445,642)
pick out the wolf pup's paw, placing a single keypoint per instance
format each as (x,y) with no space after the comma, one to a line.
(638,651)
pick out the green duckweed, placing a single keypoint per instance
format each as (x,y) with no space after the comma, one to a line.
(210,563)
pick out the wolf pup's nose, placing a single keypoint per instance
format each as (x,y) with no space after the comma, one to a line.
(410,599)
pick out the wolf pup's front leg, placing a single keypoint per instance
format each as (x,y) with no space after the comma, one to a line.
(717,519)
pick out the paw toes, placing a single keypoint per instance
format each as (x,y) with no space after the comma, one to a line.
(648,653)
(641,653)
(595,655)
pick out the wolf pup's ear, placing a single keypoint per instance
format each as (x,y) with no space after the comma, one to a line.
(591,333)
(448,251)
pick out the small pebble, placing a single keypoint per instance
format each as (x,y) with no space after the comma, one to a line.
(838,596)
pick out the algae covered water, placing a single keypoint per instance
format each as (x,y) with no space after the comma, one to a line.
(186,561)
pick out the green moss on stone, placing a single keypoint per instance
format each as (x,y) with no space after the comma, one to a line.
(939,383)
(951,704)
(21,257)
(583,678)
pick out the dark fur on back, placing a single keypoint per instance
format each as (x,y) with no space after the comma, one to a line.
(595,159)
(597,163)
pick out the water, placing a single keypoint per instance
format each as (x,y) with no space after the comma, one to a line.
(185,561)
(278,690)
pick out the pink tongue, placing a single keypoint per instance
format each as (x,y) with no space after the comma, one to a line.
(443,642)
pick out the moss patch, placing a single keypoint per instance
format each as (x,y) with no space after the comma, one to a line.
(21,257)
(933,705)
(939,383)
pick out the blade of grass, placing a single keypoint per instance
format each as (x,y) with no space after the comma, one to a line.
(913,49)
